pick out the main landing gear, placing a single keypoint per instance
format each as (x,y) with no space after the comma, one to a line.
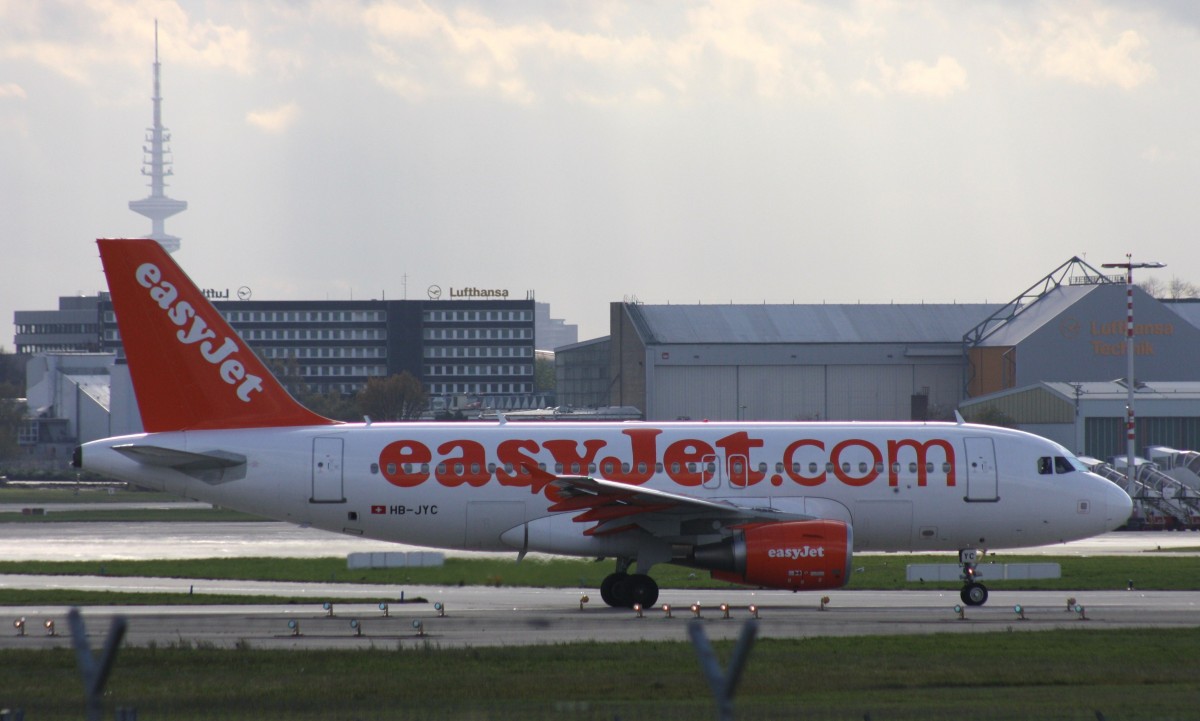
(973,592)
(623,589)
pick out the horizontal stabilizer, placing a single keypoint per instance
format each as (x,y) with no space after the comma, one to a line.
(212,467)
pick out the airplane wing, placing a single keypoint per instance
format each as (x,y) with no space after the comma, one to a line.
(617,507)
(213,467)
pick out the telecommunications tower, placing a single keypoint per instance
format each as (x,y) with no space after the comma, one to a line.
(157,165)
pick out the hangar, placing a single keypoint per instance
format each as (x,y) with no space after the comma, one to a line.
(881,362)
(790,362)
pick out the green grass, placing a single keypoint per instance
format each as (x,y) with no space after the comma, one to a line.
(138,515)
(878,572)
(1072,674)
(87,493)
(101,495)
(72,597)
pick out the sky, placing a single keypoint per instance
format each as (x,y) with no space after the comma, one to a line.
(666,152)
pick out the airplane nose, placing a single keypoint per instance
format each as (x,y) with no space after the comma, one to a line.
(1118,504)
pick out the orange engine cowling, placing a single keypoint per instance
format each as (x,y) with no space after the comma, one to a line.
(797,555)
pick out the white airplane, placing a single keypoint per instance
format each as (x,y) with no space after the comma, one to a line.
(775,505)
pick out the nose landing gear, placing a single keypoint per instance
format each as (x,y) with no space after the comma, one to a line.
(973,592)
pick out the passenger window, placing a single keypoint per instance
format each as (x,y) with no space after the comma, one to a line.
(1062,465)
(1044,466)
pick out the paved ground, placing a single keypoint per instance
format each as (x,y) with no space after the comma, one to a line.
(83,541)
(510,616)
(519,616)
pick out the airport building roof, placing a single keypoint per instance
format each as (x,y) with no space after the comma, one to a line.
(1034,315)
(867,323)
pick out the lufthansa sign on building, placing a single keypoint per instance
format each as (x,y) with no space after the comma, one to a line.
(469,293)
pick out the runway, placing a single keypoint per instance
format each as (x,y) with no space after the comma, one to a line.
(87,541)
(482,616)
(522,616)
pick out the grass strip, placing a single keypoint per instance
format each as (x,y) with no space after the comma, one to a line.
(35,495)
(1054,674)
(71,597)
(133,515)
(872,572)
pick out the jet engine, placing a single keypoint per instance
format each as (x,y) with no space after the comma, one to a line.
(796,555)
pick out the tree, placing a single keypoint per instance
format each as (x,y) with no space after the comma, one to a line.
(544,374)
(1179,288)
(287,372)
(332,405)
(12,408)
(1175,289)
(395,398)
(993,416)
(1154,287)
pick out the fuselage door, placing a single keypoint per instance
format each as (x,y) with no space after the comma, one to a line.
(327,471)
(981,470)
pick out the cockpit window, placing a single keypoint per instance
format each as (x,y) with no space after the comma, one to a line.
(1047,465)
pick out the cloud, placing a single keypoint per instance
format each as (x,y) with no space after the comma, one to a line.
(939,80)
(943,78)
(275,120)
(1082,48)
(725,47)
(12,90)
(84,40)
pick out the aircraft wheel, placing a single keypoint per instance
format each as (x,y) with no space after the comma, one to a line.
(642,589)
(608,586)
(974,594)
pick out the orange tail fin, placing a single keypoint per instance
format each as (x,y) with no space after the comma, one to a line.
(190,370)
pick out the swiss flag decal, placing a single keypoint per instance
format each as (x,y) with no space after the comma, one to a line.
(378,509)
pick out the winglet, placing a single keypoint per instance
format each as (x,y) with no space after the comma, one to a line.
(958,417)
(190,370)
